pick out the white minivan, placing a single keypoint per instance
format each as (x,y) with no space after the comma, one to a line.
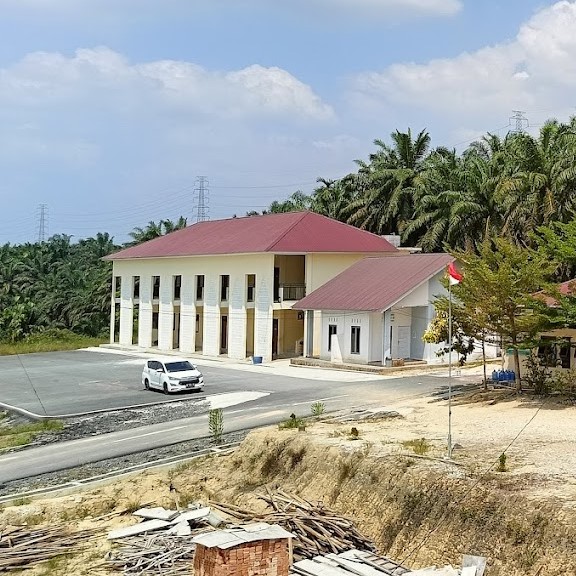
(171,375)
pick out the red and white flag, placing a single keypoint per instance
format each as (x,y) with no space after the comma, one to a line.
(453,275)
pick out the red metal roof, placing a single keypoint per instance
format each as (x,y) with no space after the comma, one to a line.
(565,289)
(291,232)
(375,284)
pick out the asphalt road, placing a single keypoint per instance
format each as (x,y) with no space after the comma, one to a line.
(78,381)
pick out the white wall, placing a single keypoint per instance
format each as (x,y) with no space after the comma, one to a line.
(344,322)
(212,267)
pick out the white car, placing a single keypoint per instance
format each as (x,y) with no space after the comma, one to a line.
(171,375)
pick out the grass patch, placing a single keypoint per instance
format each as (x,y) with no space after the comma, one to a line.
(292,422)
(22,434)
(46,344)
(21,501)
(419,446)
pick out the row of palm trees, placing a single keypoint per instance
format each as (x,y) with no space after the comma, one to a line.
(438,199)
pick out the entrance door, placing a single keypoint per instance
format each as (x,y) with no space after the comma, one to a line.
(224,335)
(274,338)
(403,341)
(276,284)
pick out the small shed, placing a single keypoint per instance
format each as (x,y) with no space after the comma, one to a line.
(248,550)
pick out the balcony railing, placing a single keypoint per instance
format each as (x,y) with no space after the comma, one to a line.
(292,292)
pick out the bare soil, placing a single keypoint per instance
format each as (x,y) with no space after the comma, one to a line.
(419,508)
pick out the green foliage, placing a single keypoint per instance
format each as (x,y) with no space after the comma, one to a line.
(538,374)
(292,422)
(318,408)
(22,434)
(502,463)
(55,285)
(216,424)
(419,446)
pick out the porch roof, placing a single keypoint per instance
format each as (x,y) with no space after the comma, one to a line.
(375,284)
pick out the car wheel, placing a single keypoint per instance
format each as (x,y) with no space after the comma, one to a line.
(146,384)
(166,388)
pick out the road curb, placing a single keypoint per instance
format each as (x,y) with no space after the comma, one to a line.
(34,416)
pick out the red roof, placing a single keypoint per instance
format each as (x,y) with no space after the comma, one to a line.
(375,284)
(291,232)
(565,289)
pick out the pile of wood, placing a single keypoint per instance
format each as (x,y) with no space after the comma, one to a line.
(318,529)
(158,553)
(21,546)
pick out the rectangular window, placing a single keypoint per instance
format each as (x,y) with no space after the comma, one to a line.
(200,287)
(224,286)
(136,287)
(355,341)
(250,287)
(155,287)
(564,353)
(154,320)
(117,286)
(197,323)
(177,287)
(332,330)
(546,351)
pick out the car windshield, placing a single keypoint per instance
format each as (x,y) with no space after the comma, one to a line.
(179,366)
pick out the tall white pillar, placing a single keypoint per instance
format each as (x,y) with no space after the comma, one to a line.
(263,314)
(166,313)
(145,313)
(188,314)
(237,318)
(126,311)
(211,320)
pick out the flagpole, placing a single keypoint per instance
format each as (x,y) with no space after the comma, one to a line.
(449,367)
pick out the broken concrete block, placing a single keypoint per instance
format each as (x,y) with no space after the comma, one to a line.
(180,529)
(158,513)
(468,571)
(146,526)
(478,562)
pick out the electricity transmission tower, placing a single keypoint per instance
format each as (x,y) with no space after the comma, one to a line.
(202,197)
(520,121)
(42,222)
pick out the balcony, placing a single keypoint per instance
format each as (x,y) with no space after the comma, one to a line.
(291,292)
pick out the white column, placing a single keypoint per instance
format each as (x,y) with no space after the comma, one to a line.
(188,314)
(112,309)
(309,334)
(126,311)
(211,322)
(263,314)
(166,314)
(386,341)
(145,313)
(237,318)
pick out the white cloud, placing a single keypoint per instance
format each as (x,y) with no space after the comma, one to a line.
(533,71)
(104,75)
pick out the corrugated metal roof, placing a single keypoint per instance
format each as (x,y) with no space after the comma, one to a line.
(567,288)
(350,563)
(241,535)
(291,232)
(375,283)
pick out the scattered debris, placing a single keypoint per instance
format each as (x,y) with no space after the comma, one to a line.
(364,414)
(157,553)
(21,546)
(317,529)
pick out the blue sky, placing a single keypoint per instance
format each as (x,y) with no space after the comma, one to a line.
(109,109)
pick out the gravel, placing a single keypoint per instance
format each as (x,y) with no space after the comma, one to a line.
(54,479)
(103,423)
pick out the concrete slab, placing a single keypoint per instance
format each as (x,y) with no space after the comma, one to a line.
(147,526)
(157,513)
(191,515)
(180,529)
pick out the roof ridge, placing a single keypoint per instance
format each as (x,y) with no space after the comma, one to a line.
(290,228)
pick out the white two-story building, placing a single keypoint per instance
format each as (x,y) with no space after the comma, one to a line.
(226,287)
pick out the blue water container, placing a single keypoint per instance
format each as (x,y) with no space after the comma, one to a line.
(256,359)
